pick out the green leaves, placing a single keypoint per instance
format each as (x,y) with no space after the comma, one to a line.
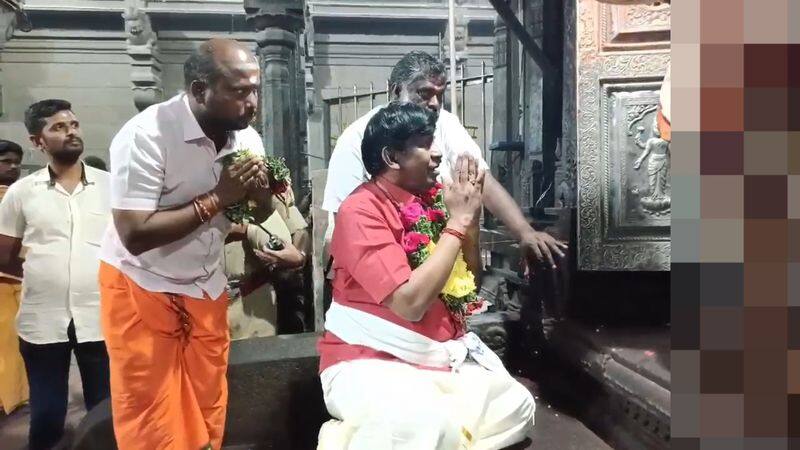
(243,211)
(238,157)
(240,212)
(417,258)
(277,168)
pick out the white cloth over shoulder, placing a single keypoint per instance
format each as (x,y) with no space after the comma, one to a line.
(360,328)
(346,169)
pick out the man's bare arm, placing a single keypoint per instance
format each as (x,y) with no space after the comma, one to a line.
(472,252)
(141,231)
(10,262)
(504,207)
(533,243)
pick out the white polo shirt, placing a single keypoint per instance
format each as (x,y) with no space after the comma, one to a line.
(346,169)
(61,235)
(160,159)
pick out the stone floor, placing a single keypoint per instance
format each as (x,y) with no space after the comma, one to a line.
(557,430)
(14,427)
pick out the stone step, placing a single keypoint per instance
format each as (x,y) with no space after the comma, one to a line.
(632,368)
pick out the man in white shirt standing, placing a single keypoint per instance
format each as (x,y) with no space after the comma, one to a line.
(164,307)
(421,79)
(57,217)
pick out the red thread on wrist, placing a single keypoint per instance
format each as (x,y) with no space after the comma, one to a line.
(455,233)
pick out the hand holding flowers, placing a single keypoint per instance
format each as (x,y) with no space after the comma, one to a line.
(272,178)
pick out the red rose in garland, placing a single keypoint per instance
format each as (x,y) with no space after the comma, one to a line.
(423,221)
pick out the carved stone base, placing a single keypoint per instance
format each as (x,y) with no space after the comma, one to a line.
(631,366)
(496,330)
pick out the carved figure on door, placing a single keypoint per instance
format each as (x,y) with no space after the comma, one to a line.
(657,150)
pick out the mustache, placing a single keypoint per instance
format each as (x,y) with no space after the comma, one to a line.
(74,140)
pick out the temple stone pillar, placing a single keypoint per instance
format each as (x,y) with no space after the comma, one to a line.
(506,143)
(542,107)
(279,24)
(143,51)
(11,18)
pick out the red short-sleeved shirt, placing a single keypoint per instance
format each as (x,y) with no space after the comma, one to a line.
(369,264)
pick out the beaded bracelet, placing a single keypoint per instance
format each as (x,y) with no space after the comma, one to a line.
(455,233)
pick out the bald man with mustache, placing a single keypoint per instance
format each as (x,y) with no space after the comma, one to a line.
(163,300)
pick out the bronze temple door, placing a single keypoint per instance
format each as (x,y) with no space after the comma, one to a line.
(623,161)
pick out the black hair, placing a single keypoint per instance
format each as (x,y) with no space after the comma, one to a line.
(36,114)
(391,127)
(12,147)
(415,65)
(201,66)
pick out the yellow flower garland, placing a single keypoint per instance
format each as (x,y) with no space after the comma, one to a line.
(461,281)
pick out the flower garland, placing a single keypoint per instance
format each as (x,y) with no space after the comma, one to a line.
(423,220)
(243,212)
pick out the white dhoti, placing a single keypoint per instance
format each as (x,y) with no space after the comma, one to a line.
(388,405)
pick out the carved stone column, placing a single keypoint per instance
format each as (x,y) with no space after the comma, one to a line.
(565,179)
(503,111)
(278,23)
(542,108)
(11,18)
(145,59)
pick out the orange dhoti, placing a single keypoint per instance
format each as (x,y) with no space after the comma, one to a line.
(168,358)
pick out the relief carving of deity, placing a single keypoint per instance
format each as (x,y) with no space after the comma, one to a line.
(656,151)
(654,198)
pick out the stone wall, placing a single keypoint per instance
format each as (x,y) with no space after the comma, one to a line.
(78,50)
(91,71)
